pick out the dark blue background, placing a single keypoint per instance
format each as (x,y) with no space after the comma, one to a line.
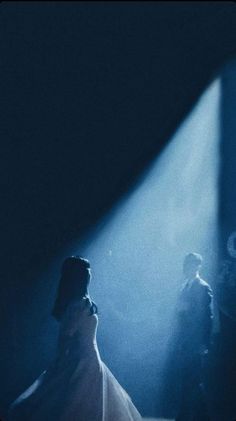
(90,92)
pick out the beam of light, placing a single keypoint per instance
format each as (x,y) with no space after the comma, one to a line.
(137,251)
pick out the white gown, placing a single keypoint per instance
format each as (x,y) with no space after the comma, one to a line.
(78,386)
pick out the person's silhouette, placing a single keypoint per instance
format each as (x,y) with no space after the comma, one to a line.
(194,315)
(78,385)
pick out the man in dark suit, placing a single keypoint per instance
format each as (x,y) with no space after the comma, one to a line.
(194,317)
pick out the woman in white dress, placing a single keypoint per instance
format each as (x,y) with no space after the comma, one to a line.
(78,386)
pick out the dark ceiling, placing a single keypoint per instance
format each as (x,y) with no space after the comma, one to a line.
(90,93)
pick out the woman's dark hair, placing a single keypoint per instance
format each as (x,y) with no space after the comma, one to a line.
(73,285)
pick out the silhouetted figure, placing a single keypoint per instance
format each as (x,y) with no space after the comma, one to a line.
(194,319)
(78,386)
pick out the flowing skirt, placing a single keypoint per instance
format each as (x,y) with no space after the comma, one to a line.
(83,391)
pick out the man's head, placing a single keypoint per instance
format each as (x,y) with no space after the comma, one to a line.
(192,265)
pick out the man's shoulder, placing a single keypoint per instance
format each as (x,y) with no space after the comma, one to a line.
(203,284)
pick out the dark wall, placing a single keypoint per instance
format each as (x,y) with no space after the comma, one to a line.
(91,92)
(224,373)
(228,149)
